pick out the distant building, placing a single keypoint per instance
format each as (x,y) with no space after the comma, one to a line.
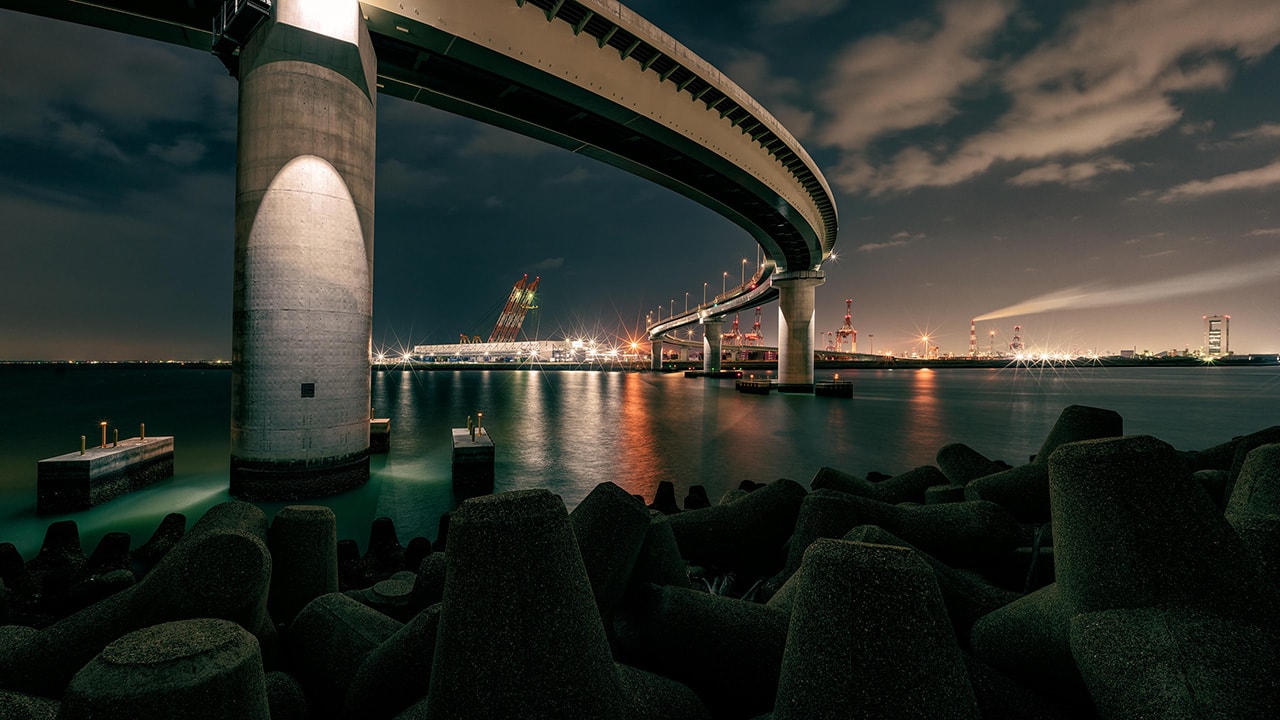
(1217,335)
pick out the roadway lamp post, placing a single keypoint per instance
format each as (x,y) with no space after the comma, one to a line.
(686,301)
(704,294)
(724,283)
(672,313)
(744,271)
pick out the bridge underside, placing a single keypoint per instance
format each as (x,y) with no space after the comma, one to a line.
(681,125)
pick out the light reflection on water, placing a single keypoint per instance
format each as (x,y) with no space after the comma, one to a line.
(570,430)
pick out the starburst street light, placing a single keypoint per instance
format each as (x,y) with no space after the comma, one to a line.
(704,294)
(744,271)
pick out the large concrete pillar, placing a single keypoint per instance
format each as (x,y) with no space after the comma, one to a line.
(795,329)
(303,303)
(711,348)
(655,356)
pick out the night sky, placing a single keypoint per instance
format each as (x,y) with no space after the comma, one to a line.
(1117,162)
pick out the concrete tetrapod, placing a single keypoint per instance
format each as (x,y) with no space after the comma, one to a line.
(200,669)
(397,673)
(519,632)
(966,598)
(748,534)
(909,486)
(1254,506)
(1025,489)
(1132,530)
(1176,665)
(327,643)
(966,534)
(962,464)
(728,651)
(219,572)
(1244,446)
(303,540)
(869,638)
(610,526)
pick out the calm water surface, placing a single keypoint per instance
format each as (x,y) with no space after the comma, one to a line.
(569,430)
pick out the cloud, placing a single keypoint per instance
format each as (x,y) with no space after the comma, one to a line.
(908,78)
(1083,297)
(1075,174)
(1162,253)
(106,94)
(781,95)
(183,152)
(397,180)
(778,12)
(1255,179)
(1195,128)
(547,264)
(573,177)
(1265,131)
(1110,75)
(83,139)
(872,247)
(1263,232)
(493,202)
(492,141)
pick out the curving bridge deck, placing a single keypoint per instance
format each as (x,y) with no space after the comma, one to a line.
(587,75)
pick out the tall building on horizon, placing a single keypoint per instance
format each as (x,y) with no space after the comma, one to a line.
(1217,335)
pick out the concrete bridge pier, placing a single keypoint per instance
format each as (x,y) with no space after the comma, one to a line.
(655,361)
(711,344)
(795,329)
(303,299)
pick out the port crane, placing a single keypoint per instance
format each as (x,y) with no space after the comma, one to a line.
(519,303)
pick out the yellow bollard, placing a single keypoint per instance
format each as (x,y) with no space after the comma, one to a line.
(81,444)
(479,423)
(104,433)
(142,431)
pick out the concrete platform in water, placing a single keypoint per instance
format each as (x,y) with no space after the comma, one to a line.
(473,456)
(92,476)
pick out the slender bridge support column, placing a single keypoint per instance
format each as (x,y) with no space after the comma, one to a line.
(655,360)
(303,299)
(795,329)
(711,348)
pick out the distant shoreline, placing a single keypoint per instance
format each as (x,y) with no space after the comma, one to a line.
(888,363)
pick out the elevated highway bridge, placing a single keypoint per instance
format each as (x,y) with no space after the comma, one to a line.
(589,76)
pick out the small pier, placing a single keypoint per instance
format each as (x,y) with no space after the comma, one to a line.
(80,480)
(754,386)
(380,435)
(473,455)
(833,388)
(713,374)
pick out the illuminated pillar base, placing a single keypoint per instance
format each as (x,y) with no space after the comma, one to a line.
(795,329)
(711,345)
(656,355)
(303,301)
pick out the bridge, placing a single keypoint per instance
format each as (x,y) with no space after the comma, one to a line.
(589,76)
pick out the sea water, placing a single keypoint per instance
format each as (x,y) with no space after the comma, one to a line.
(570,430)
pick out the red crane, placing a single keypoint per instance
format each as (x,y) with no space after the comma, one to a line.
(518,304)
(846,330)
(755,337)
